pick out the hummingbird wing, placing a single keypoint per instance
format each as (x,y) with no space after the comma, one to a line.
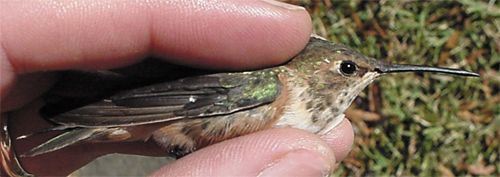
(77,88)
(192,97)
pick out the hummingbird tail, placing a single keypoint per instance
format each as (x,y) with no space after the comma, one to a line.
(68,138)
(43,131)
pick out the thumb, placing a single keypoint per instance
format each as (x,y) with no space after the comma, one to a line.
(274,152)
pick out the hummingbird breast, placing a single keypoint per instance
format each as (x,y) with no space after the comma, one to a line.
(308,111)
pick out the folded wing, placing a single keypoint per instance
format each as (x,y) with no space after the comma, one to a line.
(193,97)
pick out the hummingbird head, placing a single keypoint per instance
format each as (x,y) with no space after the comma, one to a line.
(339,73)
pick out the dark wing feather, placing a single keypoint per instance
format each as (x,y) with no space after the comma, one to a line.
(199,96)
(78,88)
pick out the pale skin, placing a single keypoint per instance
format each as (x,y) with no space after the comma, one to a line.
(48,36)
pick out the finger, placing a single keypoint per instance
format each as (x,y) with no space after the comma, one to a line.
(275,152)
(54,35)
(340,139)
(94,34)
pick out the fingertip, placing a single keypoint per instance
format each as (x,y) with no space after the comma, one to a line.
(256,154)
(298,163)
(340,139)
(233,34)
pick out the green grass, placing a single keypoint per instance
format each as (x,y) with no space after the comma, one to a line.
(421,125)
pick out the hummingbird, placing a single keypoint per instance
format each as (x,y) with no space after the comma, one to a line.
(309,92)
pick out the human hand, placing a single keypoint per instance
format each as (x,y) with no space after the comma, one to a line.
(43,36)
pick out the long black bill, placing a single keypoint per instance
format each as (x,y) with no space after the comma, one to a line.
(395,68)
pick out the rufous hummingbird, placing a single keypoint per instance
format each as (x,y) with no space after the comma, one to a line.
(309,92)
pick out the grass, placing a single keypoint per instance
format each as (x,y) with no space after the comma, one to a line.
(421,124)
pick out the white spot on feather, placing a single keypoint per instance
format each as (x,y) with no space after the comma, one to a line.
(192,99)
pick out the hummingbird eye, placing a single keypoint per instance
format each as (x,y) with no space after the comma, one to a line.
(348,67)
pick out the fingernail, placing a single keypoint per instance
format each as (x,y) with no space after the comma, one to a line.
(283,5)
(300,162)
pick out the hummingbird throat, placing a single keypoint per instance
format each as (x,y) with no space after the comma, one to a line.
(319,111)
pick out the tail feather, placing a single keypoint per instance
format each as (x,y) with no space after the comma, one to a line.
(62,127)
(68,138)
